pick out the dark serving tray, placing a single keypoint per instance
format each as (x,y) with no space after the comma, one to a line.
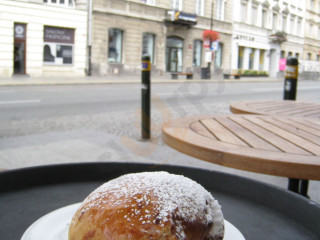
(260,211)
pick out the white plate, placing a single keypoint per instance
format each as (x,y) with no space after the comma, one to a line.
(55,225)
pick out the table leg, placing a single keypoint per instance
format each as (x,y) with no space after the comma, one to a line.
(293,185)
(304,187)
(298,186)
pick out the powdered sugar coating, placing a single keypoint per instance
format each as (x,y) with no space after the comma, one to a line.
(172,194)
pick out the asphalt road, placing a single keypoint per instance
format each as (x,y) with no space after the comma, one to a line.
(80,123)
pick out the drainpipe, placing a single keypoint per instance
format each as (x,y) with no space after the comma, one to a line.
(89,73)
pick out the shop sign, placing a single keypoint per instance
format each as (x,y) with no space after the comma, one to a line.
(58,35)
(244,37)
(20,31)
(185,17)
(208,57)
(214,46)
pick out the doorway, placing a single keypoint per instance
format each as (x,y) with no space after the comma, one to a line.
(19,52)
(174,54)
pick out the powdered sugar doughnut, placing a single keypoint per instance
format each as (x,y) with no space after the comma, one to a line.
(150,205)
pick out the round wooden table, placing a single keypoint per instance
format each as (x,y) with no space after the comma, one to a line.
(277,107)
(280,146)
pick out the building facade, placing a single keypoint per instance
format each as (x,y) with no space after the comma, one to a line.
(310,63)
(170,31)
(43,38)
(265,33)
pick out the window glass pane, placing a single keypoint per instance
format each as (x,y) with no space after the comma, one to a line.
(197,53)
(240,58)
(243,12)
(264,18)
(174,54)
(115,45)
(47,54)
(218,55)
(58,45)
(148,45)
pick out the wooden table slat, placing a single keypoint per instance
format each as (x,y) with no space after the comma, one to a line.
(271,108)
(277,107)
(245,134)
(270,137)
(302,131)
(222,133)
(311,124)
(301,165)
(298,111)
(198,127)
(295,143)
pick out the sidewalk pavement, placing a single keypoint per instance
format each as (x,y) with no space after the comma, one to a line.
(25,80)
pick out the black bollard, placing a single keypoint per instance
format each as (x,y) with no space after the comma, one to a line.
(145,97)
(290,92)
(291,79)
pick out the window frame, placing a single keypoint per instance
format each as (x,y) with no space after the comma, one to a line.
(152,57)
(174,4)
(121,45)
(58,3)
(195,52)
(51,47)
(200,7)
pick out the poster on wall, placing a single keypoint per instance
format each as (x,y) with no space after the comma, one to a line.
(282,64)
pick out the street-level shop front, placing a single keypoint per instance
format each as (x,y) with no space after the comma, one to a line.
(41,40)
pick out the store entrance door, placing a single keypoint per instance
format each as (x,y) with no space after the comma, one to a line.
(173,60)
(174,54)
(19,53)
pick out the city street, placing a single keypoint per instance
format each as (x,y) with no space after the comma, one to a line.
(86,123)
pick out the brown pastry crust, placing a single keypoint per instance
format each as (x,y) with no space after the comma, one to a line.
(148,206)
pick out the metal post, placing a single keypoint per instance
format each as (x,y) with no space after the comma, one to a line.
(89,6)
(291,79)
(145,97)
(290,93)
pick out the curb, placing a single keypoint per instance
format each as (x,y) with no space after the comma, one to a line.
(28,82)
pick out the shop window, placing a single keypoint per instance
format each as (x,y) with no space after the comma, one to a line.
(67,3)
(251,57)
(240,57)
(58,45)
(261,60)
(115,46)
(218,56)
(174,54)
(200,7)
(197,53)
(148,41)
